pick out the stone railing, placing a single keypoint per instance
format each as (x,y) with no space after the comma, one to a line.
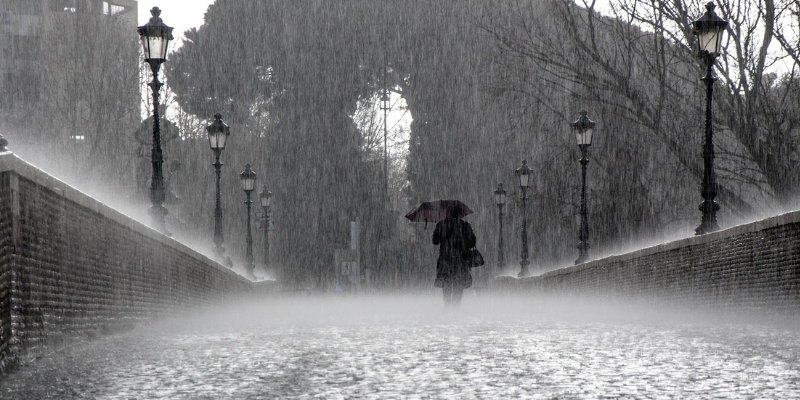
(753,267)
(70,265)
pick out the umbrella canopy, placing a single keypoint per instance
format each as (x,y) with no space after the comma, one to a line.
(435,211)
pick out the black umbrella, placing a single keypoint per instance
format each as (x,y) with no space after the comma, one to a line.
(435,211)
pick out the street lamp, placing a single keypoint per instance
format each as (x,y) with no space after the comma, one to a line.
(248,177)
(583,128)
(500,199)
(155,36)
(266,197)
(218,133)
(709,29)
(524,173)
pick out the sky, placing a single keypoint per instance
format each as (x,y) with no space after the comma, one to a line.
(179,14)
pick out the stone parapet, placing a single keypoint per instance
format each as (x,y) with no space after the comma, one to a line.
(70,265)
(754,266)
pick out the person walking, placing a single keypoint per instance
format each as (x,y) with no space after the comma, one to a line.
(454,237)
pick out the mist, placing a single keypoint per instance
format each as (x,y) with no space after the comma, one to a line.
(387,346)
(473,89)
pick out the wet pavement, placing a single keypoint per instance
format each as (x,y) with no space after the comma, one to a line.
(411,347)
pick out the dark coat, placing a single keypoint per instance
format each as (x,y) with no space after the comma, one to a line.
(454,237)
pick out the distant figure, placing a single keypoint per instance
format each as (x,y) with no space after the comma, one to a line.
(454,237)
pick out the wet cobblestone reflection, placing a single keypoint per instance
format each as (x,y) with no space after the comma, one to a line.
(411,347)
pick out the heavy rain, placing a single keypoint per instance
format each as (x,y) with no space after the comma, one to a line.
(345,119)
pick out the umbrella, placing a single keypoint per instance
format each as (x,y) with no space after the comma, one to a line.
(435,211)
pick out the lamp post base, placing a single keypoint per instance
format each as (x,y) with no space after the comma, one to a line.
(219,252)
(706,227)
(709,221)
(249,273)
(583,249)
(523,272)
(158,214)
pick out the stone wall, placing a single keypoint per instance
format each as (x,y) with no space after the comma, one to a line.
(754,266)
(70,265)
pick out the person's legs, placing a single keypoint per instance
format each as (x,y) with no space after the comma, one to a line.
(447,291)
(456,293)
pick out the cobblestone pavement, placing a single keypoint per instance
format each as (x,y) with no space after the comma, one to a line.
(400,347)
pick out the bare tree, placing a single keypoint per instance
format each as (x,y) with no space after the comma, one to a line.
(750,101)
(640,60)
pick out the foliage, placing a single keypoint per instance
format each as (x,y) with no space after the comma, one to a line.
(73,88)
(488,84)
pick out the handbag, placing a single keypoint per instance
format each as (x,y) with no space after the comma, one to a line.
(476,258)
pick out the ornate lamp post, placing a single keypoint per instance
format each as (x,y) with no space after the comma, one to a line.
(583,128)
(266,196)
(523,173)
(218,133)
(155,36)
(709,29)
(248,183)
(500,199)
